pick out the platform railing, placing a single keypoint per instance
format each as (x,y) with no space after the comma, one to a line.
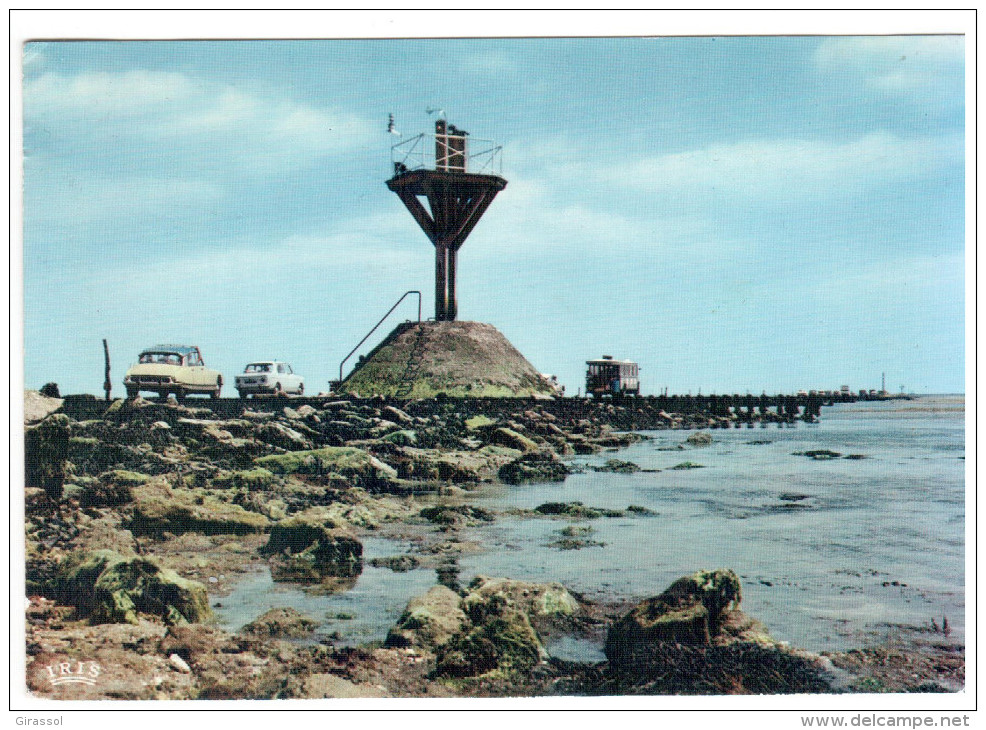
(418,153)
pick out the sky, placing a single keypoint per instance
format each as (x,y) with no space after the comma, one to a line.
(736,214)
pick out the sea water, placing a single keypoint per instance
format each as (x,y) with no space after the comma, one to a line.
(832,553)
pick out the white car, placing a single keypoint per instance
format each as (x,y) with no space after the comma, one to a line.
(269,376)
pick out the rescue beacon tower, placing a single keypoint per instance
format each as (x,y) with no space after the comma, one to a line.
(456,196)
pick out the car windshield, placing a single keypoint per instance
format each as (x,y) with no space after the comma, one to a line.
(258,367)
(161,358)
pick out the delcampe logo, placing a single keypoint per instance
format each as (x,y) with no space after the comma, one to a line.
(81,672)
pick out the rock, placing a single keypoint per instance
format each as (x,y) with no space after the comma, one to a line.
(38,406)
(249,479)
(110,588)
(282,436)
(501,640)
(160,509)
(538,467)
(112,489)
(452,466)
(539,601)
(281,623)
(396,414)
(691,612)
(575,510)
(687,465)
(160,426)
(397,563)
(477,423)
(46,447)
(457,515)
(429,621)
(180,664)
(306,548)
(348,462)
(699,438)
(617,466)
(820,454)
(404,437)
(513,440)
(505,644)
(575,543)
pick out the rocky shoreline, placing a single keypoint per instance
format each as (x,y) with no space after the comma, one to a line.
(141,516)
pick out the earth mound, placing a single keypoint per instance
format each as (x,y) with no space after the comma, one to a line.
(459,359)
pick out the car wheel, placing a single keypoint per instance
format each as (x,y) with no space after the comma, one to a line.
(301,388)
(242,394)
(131,393)
(219,387)
(180,395)
(277,391)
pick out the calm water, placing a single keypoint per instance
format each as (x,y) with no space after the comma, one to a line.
(815,574)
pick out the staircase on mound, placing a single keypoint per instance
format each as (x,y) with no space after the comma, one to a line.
(459,359)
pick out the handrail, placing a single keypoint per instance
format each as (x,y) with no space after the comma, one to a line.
(413,291)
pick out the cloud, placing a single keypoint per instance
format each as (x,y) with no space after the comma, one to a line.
(786,168)
(65,199)
(159,117)
(161,161)
(493,62)
(895,64)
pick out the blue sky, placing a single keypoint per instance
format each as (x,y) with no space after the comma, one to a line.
(735,214)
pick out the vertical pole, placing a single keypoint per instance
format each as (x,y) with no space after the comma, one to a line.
(107,384)
(441,266)
(453,304)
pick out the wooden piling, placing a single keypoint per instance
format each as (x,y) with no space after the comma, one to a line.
(107,383)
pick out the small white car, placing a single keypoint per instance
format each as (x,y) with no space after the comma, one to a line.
(269,376)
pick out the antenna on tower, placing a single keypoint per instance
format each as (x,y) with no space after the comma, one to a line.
(390,125)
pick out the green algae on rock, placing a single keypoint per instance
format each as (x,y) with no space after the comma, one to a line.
(110,588)
(514,440)
(158,510)
(310,546)
(250,479)
(457,514)
(112,488)
(575,510)
(452,466)
(503,642)
(536,467)
(345,461)
(281,623)
(616,466)
(46,448)
(429,621)
(687,465)
(690,611)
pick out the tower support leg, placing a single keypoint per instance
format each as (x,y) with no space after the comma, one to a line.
(453,302)
(441,284)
